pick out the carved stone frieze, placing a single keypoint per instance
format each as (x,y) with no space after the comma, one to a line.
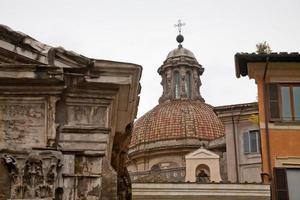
(27,122)
(22,123)
(34,174)
(87,115)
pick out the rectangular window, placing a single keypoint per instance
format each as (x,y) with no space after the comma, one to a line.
(287,181)
(296,101)
(293,181)
(284,102)
(251,141)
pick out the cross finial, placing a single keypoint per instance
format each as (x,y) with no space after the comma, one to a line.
(179,25)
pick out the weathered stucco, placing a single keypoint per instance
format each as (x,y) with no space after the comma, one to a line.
(238,119)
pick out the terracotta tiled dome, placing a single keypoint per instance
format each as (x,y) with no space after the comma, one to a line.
(182,119)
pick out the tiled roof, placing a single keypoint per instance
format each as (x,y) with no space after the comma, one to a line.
(241,60)
(179,119)
(231,107)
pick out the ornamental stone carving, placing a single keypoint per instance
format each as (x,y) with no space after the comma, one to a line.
(33,174)
(181,61)
(60,113)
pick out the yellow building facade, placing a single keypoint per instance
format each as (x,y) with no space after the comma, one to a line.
(277,76)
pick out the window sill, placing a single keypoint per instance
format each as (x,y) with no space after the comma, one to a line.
(252,155)
(286,123)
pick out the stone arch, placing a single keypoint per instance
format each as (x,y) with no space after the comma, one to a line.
(202,173)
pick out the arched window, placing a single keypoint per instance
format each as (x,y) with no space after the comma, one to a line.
(177,85)
(188,82)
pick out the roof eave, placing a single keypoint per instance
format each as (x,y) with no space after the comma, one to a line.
(242,59)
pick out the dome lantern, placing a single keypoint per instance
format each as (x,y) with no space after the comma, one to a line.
(180,73)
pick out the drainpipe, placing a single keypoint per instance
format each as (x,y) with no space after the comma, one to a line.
(235,149)
(267,118)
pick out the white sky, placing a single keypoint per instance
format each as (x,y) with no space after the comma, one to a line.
(142,32)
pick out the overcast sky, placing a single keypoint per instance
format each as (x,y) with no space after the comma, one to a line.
(142,32)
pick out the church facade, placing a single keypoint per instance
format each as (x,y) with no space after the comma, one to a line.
(184,145)
(181,123)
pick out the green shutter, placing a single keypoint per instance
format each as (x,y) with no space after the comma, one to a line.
(281,187)
(274,102)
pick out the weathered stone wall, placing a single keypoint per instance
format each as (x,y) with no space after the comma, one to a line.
(32,174)
(170,175)
(63,120)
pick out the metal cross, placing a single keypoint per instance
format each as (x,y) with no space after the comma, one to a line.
(179,25)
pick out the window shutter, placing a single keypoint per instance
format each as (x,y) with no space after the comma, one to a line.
(281,187)
(274,102)
(246,142)
(253,141)
(258,141)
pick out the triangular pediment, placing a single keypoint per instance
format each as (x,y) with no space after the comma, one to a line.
(17,47)
(201,153)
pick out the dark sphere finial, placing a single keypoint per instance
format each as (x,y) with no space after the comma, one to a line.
(179,38)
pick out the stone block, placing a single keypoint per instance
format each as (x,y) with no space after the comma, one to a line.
(23,122)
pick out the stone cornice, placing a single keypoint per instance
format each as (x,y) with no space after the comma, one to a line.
(197,191)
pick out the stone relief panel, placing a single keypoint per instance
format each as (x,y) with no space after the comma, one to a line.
(88,188)
(33,175)
(87,115)
(22,123)
(82,177)
(88,165)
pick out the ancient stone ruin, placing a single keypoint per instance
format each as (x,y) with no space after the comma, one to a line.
(65,122)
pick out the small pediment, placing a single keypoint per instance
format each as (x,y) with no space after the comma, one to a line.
(201,153)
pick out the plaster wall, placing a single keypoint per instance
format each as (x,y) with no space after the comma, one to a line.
(283,137)
(248,167)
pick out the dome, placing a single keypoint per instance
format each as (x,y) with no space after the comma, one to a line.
(182,119)
(180,51)
(180,57)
